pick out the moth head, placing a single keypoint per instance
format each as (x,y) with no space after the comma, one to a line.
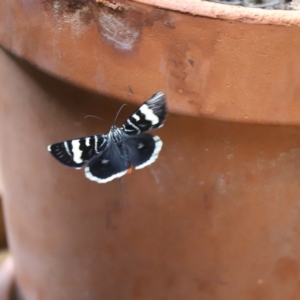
(113,128)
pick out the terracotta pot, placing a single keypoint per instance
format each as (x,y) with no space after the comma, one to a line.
(217,216)
(7,278)
(3,243)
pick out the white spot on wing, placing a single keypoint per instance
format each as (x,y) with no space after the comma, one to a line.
(104,161)
(135,116)
(90,176)
(87,141)
(149,114)
(154,156)
(134,126)
(96,143)
(49,148)
(67,149)
(76,151)
(97,146)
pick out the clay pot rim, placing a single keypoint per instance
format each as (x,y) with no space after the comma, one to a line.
(229,12)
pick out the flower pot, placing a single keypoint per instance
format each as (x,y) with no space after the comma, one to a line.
(7,278)
(217,216)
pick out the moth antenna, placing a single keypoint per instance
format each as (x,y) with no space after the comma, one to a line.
(95,117)
(119,113)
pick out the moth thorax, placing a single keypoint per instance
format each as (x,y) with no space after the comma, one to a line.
(116,134)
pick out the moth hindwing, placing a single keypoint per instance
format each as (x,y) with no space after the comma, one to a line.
(112,155)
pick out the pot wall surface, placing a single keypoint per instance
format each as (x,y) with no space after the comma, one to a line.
(216,217)
(221,69)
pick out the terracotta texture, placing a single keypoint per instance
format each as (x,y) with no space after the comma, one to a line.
(216,217)
(220,69)
(3,242)
(2,229)
(7,278)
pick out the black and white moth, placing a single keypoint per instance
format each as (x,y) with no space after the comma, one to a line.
(112,155)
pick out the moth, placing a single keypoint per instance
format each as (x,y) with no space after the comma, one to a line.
(109,156)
